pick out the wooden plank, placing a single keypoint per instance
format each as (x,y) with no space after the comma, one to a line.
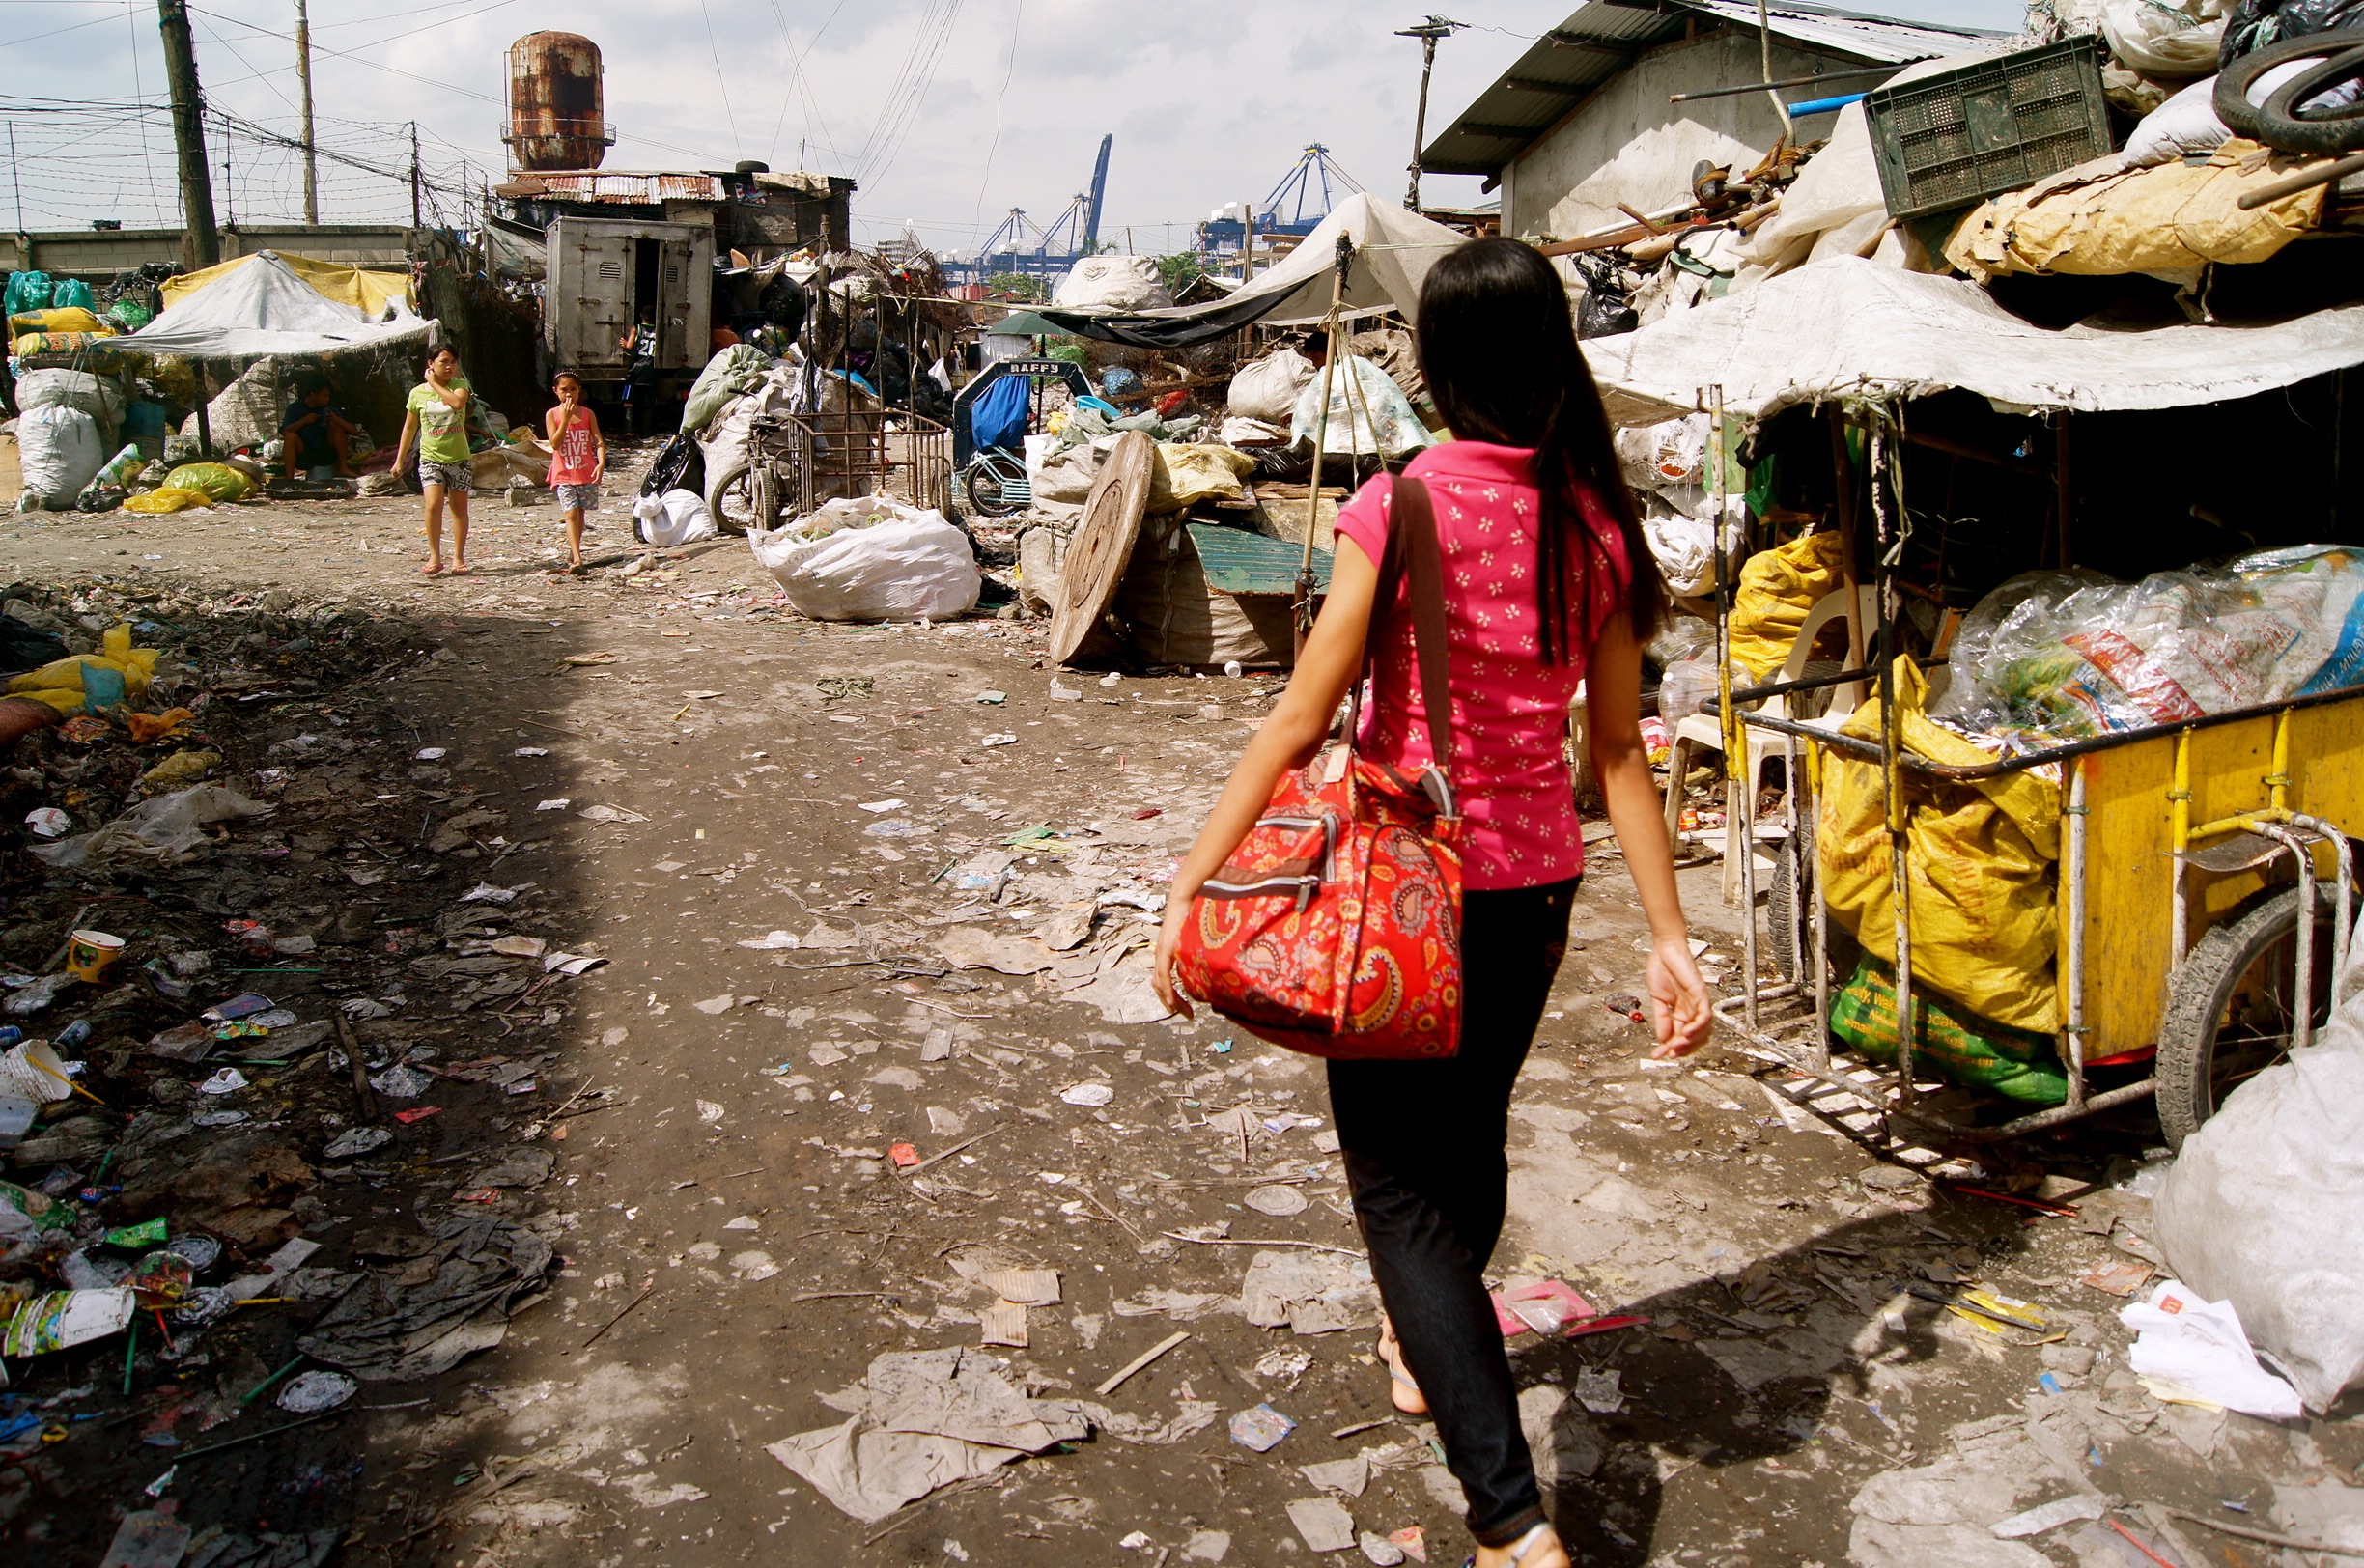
(1238,562)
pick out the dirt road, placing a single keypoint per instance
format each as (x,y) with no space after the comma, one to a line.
(865,887)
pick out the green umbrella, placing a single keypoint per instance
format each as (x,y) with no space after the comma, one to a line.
(1025,324)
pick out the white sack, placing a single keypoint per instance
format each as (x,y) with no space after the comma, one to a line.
(95,396)
(676,518)
(60,451)
(2262,1207)
(2158,39)
(1679,527)
(1661,456)
(2186,125)
(1114,282)
(870,558)
(1266,389)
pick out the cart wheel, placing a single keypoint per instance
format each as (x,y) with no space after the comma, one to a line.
(2229,1005)
(735,502)
(985,482)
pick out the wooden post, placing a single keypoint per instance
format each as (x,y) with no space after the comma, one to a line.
(200,239)
(303,80)
(1843,480)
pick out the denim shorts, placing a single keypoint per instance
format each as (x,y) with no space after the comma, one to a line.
(578,497)
(454,477)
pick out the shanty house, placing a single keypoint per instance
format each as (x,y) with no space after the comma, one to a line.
(755,211)
(1583,126)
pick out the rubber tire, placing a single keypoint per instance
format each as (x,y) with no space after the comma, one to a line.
(744,477)
(2202,986)
(993,507)
(1788,944)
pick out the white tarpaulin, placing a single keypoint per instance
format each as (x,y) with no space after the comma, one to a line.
(264,308)
(1852,328)
(1394,251)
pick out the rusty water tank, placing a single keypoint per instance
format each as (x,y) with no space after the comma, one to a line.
(557,107)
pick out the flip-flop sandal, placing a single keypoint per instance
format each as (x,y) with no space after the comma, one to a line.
(1389,1352)
(1518,1552)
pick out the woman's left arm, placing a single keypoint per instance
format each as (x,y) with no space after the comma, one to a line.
(1331,661)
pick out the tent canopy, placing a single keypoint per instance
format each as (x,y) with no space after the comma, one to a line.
(1393,249)
(1848,327)
(354,285)
(265,307)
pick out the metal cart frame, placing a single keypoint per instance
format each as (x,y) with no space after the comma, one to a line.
(2149,801)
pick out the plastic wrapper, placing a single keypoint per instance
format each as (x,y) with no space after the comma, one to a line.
(2055,657)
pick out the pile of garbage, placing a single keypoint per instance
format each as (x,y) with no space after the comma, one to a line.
(221,939)
(2055,657)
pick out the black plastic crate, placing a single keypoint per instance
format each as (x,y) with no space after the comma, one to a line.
(1949,140)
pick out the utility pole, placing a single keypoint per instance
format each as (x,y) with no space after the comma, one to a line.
(303,77)
(416,221)
(1427,32)
(16,180)
(200,240)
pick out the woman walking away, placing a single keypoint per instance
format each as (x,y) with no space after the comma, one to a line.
(436,422)
(1548,582)
(581,458)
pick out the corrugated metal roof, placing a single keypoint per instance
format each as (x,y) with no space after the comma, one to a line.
(616,186)
(1605,35)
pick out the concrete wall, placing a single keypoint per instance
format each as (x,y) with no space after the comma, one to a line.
(1630,145)
(97,254)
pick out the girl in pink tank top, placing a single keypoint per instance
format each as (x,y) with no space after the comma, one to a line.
(579,459)
(1548,581)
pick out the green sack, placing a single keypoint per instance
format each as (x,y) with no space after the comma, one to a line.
(1953,1041)
(128,314)
(29,290)
(217,481)
(70,294)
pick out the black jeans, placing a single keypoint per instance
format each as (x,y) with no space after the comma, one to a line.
(1426,1145)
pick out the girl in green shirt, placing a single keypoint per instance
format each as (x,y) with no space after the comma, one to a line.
(437,423)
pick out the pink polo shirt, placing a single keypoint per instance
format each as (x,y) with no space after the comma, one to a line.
(1509,708)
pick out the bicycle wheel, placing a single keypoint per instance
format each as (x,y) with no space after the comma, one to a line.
(996,487)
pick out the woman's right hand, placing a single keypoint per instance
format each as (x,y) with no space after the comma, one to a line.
(1680,1011)
(1168,944)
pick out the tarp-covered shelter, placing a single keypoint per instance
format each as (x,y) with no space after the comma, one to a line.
(266,306)
(366,291)
(1851,328)
(1393,249)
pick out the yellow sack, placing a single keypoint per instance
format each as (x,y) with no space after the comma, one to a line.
(218,481)
(2171,217)
(65,676)
(1778,588)
(1186,475)
(62,318)
(29,344)
(1982,860)
(166,500)
(66,702)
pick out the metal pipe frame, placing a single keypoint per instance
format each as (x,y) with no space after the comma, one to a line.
(2073,1029)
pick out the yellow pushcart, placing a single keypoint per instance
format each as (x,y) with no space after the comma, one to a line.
(2204,898)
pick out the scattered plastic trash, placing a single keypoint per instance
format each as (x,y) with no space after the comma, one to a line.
(48,822)
(229,1081)
(308,1393)
(60,1319)
(2199,1345)
(2050,1516)
(1322,1523)
(1261,1428)
(1089,1094)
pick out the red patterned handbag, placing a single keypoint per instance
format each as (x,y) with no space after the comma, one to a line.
(1335,928)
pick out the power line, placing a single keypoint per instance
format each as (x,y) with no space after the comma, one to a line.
(720,81)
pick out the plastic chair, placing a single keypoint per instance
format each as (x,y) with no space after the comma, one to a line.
(1702,732)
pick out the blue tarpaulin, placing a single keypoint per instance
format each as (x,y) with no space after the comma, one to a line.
(998,416)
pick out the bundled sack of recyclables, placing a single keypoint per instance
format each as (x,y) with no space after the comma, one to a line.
(871,558)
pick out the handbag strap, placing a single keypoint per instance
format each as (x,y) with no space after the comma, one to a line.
(1412,556)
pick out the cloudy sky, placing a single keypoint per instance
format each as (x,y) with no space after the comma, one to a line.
(948,112)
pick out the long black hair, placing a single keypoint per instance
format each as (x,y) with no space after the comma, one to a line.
(1497,348)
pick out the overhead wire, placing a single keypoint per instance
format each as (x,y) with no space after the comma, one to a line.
(713,46)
